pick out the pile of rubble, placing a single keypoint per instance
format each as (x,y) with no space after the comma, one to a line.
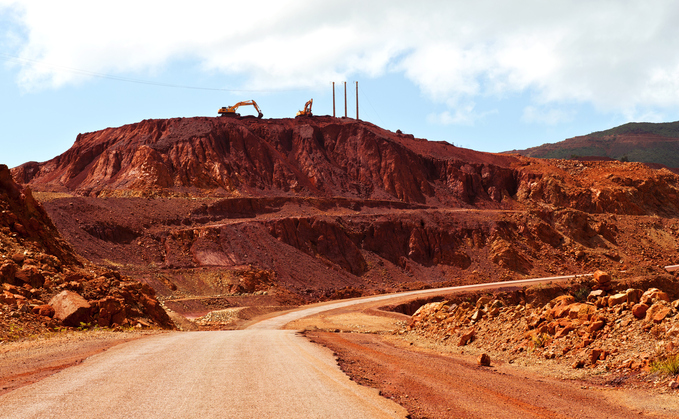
(594,326)
(45,285)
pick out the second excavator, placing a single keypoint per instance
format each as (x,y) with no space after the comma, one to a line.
(231,110)
(307,109)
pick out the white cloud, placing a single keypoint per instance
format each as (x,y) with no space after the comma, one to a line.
(617,56)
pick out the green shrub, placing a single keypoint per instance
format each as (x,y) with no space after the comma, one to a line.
(668,365)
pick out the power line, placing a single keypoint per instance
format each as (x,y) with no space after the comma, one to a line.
(7,57)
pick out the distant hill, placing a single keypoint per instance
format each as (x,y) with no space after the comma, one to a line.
(636,141)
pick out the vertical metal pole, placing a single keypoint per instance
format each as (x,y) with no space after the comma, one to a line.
(333,99)
(345,99)
(357,100)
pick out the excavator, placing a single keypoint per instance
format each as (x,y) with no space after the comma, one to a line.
(307,109)
(231,110)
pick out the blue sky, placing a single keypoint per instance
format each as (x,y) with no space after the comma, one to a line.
(487,75)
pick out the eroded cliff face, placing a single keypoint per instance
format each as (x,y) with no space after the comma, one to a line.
(312,208)
(321,157)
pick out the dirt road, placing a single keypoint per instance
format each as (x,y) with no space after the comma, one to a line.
(248,373)
(266,372)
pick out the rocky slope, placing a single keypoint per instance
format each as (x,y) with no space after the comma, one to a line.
(618,329)
(46,285)
(656,144)
(220,213)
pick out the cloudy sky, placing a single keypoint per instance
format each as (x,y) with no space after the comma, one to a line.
(487,75)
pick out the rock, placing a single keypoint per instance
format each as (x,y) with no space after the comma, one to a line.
(594,355)
(30,274)
(7,272)
(673,385)
(658,311)
(596,325)
(616,299)
(634,295)
(639,310)
(603,280)
(483,301)
(476,316)
(70,308)
(466,337)
(18,258)
(44,310)
(652,295)
(578,364)
(564,331)
(111,311)
(484,360)
(594,295)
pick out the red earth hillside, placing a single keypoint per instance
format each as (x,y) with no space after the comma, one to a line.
(221,213)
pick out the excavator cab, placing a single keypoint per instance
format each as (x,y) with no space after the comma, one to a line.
(231,110)
(307,109)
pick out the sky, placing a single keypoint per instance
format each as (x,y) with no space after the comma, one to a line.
(490,75)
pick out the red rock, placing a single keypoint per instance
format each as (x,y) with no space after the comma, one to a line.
(484,360)
(633,295)
(594,295)
(30,274)
(602,277)
(7,272)
(639,310)
(70,308)
(594,355)
(466,337)
(596,325)
(657,312)
(564,331)
(44,310)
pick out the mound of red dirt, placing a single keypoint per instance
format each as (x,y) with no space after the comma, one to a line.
(46,285)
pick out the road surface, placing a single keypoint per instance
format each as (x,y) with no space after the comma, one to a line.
(260,372)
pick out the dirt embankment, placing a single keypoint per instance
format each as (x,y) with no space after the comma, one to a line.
(45,285)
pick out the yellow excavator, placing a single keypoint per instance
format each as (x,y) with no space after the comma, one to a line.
(231,110)
(307,109)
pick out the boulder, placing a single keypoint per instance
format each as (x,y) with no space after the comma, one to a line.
(484,360)
(639,310)
(70,308)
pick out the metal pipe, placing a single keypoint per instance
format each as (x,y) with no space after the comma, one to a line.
(357,100)
(345,99)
